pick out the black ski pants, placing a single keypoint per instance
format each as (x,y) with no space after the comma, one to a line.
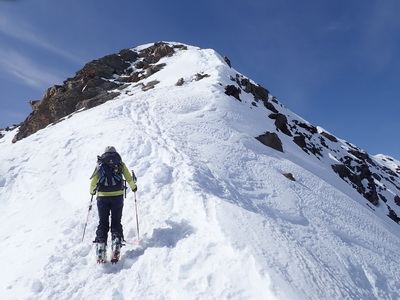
(105,206)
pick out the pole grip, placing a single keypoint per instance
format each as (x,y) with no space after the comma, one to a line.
(134,176)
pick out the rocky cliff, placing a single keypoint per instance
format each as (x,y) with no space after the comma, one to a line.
(96,83)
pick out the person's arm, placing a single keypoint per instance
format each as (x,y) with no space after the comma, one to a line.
(93,184)
(128,177)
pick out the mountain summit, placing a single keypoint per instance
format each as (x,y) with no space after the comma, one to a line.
(376,178)
(239,197)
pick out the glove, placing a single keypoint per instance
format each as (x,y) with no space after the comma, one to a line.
(93,193)
(134,190)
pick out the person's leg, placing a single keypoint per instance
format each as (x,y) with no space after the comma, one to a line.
(103,206)
(116,215)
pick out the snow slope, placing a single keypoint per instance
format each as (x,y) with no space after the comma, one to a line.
(218,220)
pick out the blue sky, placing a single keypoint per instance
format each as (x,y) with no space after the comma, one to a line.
(334,63)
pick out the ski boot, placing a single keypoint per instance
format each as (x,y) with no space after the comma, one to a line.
(101,253)
(116,249)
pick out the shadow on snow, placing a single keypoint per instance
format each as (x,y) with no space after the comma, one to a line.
(161,237)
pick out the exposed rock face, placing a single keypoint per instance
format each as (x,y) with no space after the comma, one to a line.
(397,200)
(281,123)
(351,164)
(355,180)
(96,83)
(272,140)
(232,90)
(244,84)
(228,61)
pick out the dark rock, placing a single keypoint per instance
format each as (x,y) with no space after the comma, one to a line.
(256,90)
(128,55)
(383,198)
(162,50)
(232,90)
(300,141)
(372,196)
(271,139)
(309,128)
(356,180)
(34,104)
(104,67)
(272,116)
(141,64)
(135,77)
(199,76)
(154,53)
(274,100)
(281,123)
(376,176)
(180,82)
(393,215)
(96,100)
(363,156)
(289,176)
(341,170)
(150,85)
(180,46)
(270,106)
(227,60)
(322,141)
(397,200)
(154,69)
(329,136)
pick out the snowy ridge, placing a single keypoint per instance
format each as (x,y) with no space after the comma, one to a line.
(218,219)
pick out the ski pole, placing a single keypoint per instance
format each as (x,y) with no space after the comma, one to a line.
(137,220)
(136,210)
(87,218)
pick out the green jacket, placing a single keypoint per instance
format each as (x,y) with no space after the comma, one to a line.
(95,180)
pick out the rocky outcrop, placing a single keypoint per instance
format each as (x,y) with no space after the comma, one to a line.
(234,91)
(97,82)
(356,180)
(397,200)
(228,61)
(281,123)
(272,140)
(246,85)
(376,183)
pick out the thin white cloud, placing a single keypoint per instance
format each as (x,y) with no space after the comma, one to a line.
(26,33)
(26,70)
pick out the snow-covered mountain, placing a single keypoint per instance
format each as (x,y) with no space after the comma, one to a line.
(239,198)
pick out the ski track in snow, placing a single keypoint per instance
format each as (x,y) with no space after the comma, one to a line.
(217,218)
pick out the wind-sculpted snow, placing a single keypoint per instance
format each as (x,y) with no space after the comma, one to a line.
(218,219)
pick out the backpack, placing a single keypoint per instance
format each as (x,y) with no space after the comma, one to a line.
(109,171)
